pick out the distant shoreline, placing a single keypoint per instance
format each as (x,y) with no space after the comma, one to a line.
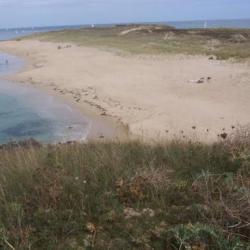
(226,23)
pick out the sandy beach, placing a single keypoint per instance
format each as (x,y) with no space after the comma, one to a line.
(147,96)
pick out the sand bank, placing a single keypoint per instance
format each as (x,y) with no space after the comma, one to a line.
(151,96)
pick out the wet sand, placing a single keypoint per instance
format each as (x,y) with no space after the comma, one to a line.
(154,97)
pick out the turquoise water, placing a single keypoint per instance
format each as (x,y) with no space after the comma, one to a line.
(26,112)
(19,122)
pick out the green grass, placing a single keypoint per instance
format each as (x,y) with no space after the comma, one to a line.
(112,195)
(150,40)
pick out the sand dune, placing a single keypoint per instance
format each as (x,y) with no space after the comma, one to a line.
(153,96)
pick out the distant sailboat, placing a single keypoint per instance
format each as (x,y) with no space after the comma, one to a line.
(205,25)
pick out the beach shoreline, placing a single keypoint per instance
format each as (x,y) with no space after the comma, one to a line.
(149,97)
(100,127)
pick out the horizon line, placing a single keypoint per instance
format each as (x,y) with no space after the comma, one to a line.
(122,23)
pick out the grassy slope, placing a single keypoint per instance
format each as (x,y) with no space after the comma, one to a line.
(112,195)
(150,40)
(130,195)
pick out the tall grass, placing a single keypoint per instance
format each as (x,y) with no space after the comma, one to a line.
(111,195)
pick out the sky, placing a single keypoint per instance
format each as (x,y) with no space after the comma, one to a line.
(27,13)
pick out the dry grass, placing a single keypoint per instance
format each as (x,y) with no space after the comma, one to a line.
(177,195)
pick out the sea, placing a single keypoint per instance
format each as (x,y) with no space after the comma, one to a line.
(26,112)
(200,24)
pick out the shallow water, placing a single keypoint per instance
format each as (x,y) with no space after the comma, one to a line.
(26,112)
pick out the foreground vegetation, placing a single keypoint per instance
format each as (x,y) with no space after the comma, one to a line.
(156,39)
(111,195)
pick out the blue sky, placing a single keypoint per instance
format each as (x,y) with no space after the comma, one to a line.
(20,13)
